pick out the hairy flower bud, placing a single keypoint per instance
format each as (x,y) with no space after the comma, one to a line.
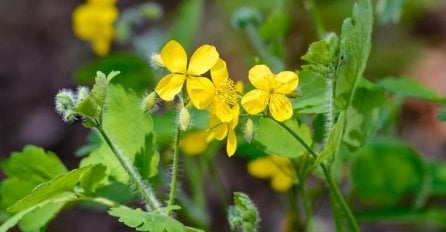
(65,102)
(184,119)
(156,61)
(149,103)
(81,94)
(249,130)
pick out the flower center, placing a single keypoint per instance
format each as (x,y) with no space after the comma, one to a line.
(226,92)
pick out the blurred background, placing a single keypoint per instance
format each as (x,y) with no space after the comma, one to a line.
(41,53)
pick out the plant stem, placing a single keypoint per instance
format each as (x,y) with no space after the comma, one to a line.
(173,183)
(334,189)
(301,187)
(146,192)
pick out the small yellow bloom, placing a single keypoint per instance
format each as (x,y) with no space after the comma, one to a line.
(194,143)
(277,168)
(220,130)
(200,89)
(93,21)
(270,90)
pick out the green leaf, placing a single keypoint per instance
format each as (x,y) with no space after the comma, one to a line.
(354,50)
(146,221)
(389,11)
(39,218)
(90,181)
(438,173)
(312,90)
(25,170)
(323,57)
(127,126)
(268,132)
(243,215)
(364,115)
(148,158)
(385,172)
(334,139)
(12,221)
(135,72)
(93,142)
(187,22)
(406,87)
(59,184)
(275,26)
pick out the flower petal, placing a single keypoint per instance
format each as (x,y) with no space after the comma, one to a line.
(231,143)
(203,59)
(201,91)
(169,86)
(219,73)
(174,57)
(281,182)
(235,115)
(221,109)
(255,101)
(261,77)
(280,107)
(218,130)
(261,168)
(287,82)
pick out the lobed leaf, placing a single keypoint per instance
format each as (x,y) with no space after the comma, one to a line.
(146,221)
(406,87)
(334,139)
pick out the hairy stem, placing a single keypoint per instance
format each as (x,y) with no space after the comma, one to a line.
(334,189)
(173,183)
(144,190)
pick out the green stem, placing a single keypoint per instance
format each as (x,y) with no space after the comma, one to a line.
(334,189)
(173,183)
(218,183)
(275,63)
(294,210)
(146,192)
(335,214)
(301,186)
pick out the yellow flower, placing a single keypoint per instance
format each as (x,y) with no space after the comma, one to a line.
(199,88)
(220,130)
(277,168)
(194,143)
(270,90)
(93,22)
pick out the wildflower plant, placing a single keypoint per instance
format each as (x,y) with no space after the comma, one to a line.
(198,103)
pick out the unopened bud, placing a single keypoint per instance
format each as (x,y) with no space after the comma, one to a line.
(65,102)
(249,130)
(184,119)
(148,104)
(81,94)
(245,16)
(156,61)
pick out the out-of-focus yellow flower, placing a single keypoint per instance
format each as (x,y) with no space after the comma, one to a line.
(194,143)
(220,130)
(270,90)
(277,168)
(93,21)
(200,89)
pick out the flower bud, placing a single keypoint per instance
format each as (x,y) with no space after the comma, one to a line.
(156,61)
(148,104)
(184,119)
(249,130)
(245,16)
(65,102)
(81,94)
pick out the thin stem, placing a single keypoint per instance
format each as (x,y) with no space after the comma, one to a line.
(146,192)
(335,214)
(275,63)
(173,183)
(334,189)
(219,185)
(294,210)
(303,194)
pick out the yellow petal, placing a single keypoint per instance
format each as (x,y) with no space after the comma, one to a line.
(219,73)
(261,77)
(220,131)
(101,46)
(239,87)
(222,110)
(169,86)
(174,57)
(280,107)
(281,182)
(194,143)
(235,116)
(231,143)
(262,168)
(287,82)
(201,91)
(202,60)
(255,101)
